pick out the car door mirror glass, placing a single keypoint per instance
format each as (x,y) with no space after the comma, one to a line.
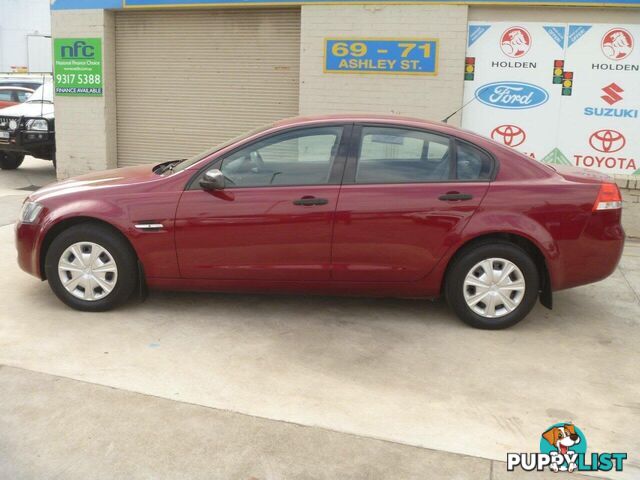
(213,180)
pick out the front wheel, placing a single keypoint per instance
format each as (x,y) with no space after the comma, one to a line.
(493,285)
(10,160)
(90,267)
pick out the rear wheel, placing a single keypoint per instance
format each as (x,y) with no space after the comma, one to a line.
(492,285)
(10,160)
(90,267)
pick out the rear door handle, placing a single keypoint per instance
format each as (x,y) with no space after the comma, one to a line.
(306,201)
(455,196)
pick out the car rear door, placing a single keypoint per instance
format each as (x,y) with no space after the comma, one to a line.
(407,194)
(274,218)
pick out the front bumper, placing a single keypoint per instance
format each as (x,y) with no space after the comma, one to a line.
(28,242)
(37,143)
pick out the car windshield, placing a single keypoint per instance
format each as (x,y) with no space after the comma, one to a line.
(44,94)
(196,158)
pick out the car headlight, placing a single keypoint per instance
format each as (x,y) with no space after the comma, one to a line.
(13,124)
(30,211)
(39,124)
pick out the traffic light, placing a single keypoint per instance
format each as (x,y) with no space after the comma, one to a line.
(558,70)
(567,83)
(469,68)
(562,78)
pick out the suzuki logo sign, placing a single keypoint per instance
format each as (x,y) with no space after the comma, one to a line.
(607,141)
(612,93)
(510,135)
(512,95)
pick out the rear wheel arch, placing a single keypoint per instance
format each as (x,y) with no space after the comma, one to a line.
(525,244)
(63,225)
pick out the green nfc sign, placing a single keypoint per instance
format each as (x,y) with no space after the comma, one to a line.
(77,66)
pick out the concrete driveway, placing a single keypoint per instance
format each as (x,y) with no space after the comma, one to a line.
(248,386)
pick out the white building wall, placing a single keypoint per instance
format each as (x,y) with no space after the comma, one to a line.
(18,20)
(430,97)
(86,126)
(554,14)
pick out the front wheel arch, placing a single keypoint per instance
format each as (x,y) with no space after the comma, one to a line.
(63,225)
(546,296)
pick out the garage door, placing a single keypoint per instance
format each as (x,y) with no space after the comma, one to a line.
(188,80)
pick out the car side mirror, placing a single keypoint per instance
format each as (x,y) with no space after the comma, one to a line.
(212,180)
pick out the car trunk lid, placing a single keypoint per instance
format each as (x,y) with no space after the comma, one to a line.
(581,175)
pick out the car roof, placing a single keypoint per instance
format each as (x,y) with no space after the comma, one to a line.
(355,117)
(397,120)
(15,87)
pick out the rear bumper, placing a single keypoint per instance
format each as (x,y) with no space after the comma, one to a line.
(28,246)
(595,254)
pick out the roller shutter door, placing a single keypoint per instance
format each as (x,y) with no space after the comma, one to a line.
(188,80)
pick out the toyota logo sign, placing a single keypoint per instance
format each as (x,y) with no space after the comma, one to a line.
(607,141)
(510,135)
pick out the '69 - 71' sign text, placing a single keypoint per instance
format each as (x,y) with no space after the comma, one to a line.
(390,56)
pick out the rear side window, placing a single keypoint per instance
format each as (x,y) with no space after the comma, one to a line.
(397,155)
(472,163)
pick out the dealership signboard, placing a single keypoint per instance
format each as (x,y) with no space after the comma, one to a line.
(413,56)
(560,93)
(77,65)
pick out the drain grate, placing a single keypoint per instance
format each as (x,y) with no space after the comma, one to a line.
(30,188)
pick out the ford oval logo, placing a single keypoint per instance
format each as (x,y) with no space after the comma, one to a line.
(512,95)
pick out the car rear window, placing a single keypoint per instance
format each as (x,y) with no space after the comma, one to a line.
(472,163)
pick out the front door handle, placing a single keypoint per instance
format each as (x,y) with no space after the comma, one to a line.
(306,201)
(455,196)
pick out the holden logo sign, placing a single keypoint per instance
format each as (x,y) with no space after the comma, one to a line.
(607,141)
(617,44)
(515,42)
(511,95)
(510,135)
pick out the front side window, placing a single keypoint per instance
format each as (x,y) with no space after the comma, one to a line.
(397,155)
(301,157)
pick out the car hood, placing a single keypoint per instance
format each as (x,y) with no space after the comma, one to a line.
(92,182)
(28,109)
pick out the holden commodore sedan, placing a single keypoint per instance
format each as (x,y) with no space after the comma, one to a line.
(350,204)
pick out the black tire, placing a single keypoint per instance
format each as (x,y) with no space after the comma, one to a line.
(10,160)
(467,260)
(117,247)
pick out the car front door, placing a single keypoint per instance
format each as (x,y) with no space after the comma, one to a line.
(273,220)
(406,194)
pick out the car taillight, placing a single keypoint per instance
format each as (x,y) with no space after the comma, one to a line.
(609,198)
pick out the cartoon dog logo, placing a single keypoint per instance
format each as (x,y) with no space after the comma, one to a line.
(563,438)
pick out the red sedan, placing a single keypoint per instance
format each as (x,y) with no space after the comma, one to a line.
(10,95)
(355,205)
